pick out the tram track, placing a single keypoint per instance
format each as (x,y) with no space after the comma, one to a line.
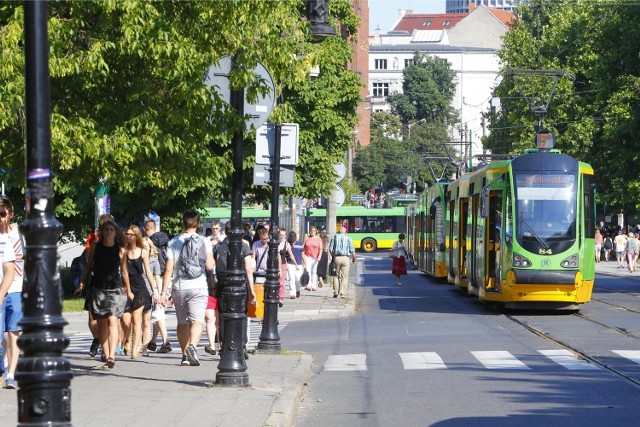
(546,336)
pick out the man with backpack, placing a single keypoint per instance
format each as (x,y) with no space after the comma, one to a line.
(189,269)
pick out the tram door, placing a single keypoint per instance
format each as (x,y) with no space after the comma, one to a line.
(465,241)
(494,222)
(477,242)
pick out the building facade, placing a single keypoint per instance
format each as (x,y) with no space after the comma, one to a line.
(470,46)
(466,6)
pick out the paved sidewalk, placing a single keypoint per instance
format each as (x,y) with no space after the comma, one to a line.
(610,268)
(157,391)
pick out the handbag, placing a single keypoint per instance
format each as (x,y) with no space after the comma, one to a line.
(333,269)
(304,279)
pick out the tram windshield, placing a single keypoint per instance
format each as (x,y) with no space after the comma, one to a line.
(545,211)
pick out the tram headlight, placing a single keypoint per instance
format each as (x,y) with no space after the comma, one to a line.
(570,262)
(520,261)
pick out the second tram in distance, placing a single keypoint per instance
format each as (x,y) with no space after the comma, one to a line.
(516,232)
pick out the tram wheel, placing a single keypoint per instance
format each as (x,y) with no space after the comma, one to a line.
(368,245)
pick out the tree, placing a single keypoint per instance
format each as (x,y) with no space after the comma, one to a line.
(596,116)
(427,91)
(129,106)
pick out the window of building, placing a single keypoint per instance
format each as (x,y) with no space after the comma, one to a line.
(408,62)
(381,64)
(381,89)
(426,23)
(446,23)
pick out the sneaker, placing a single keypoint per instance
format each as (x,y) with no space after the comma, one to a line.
(165,348)
(93,350)
(10,383)
(185,361)
(119,351)
(152,346)
(208,349)
(192,355)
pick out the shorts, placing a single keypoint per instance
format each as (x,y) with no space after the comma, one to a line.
(212,303)
(158,313)
(12,312)
(190,304)
(620,254)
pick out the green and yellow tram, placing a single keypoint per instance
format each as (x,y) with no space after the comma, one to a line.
(517,232)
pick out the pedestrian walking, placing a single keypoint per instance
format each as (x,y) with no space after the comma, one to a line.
(399,254)
(158,314)
(621,244)
(188,270)
(608,245)
(285,253)
(599,240)
(294,265)
(341,248)
(632,252)
(10,274)
(137,333)
(312,252)
(107,264)
(323,265)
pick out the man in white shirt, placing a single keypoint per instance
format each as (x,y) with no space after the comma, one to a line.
(190,294)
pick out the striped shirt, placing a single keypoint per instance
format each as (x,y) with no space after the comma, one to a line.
(341,245)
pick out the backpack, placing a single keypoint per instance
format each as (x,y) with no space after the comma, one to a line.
(192,258)
(221,255)
(607,243)
(161,241)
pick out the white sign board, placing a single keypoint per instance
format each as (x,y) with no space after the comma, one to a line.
(266,142)
(262,175)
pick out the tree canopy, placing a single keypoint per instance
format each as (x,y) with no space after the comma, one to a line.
(129,106)
(411,141)
(596,116)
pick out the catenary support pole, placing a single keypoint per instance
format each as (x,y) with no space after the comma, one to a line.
(43,374)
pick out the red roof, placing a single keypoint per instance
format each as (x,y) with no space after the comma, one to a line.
(503,16)
(419,21)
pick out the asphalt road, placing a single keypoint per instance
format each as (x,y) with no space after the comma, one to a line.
(423,354)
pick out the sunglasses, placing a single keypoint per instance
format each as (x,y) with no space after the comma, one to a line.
(3,214)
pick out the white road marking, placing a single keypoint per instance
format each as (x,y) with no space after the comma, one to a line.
(426,360)
(568,360)
(498,360)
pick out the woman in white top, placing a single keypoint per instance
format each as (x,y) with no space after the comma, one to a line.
(399,254)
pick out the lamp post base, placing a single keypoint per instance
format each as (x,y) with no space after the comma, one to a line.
(269,347)
(233,379)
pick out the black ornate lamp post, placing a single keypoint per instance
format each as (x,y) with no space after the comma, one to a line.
(232,369)
(43,375)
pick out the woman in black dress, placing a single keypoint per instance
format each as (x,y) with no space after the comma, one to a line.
(323,264)
(107,262)
(138,267)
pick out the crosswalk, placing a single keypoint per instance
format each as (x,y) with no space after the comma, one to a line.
(80,342)
(492,360)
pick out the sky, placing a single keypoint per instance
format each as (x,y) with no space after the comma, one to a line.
(384,13)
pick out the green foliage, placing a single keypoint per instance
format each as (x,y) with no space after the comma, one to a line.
(428,90)
(596,117)
(129,106)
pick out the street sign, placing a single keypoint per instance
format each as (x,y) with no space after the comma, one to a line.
(340,196)
(256,113)
(262,175)
(341,171)
(266,142)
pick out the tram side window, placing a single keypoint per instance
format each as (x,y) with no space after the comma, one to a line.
(589,220)
(508,217)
